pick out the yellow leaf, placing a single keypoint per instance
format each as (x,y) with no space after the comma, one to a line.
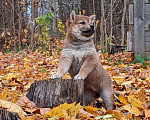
(9,76)
(75,110)
(27,60)
(91,110)
(135,102)
(123,99)
(61,111)
(129,116)
(4,94)
(54,111)
(134,110)
(8,33)
(25,30)
(148,79)
(119,79)
(65,114)
(23,3)
(121,65)
(117,114)
(80,13)
(67,106)
(67,76)
(109,69)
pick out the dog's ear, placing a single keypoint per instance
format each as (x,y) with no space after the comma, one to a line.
(92,17)
(72,16)
(71,19)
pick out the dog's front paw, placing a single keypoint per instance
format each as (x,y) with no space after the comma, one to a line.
(77,77)
(55,76)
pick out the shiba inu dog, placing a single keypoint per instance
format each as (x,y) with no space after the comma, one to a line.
(80,59)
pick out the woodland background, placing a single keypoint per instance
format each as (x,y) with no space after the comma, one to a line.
(32,23)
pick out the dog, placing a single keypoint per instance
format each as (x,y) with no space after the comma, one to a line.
(80,59)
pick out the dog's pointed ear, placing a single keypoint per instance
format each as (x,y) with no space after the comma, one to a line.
(72,16)
(92,17)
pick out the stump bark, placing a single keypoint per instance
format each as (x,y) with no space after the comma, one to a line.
(6,115)
(53,92)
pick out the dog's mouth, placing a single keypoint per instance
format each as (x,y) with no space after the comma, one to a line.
(88,33)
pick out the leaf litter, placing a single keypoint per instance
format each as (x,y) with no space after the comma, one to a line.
(130,81)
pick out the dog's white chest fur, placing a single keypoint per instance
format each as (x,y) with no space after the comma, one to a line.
(79,55)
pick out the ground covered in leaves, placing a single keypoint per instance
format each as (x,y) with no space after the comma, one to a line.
(131,83)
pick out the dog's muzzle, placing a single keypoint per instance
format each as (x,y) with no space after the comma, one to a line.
(88,32)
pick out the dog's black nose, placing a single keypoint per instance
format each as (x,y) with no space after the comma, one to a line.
(92,26)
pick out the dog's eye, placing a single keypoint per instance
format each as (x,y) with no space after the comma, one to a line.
(82,23)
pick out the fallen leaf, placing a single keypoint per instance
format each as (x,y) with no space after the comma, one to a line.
(117,114)
(83,112)
(134,110)
(4,94)
(108,116)
(123,99)
(11,107)
(25,103)
(43,111)
(147,113)
(91,110)
(135,102)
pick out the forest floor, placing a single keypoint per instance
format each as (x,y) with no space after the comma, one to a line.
(19,70)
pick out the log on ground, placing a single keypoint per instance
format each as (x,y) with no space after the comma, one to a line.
(6,115)
(53,92)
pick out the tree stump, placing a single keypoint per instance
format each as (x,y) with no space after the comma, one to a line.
(6,115)
(53,92)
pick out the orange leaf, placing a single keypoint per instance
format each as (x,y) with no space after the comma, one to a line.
(142,96)
(123,99)
(84,12)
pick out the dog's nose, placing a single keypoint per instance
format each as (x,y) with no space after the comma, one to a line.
(92,26)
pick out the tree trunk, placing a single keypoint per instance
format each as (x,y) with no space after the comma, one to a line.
(73,5)
(15,44)
(94,22)
(102,25)
(6,115)
(111,25)
(19,31)
(32,27)
(87,6)
(50,93)
(122,22)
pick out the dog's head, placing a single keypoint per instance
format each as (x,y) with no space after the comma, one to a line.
(80,26)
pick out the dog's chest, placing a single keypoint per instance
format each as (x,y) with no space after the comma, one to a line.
(79,56)
(78,60)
